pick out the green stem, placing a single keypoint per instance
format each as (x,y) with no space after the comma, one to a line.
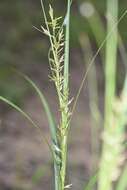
(108,161)
(111,56)
(56,166)
(66,62)
(64,160)
(64,124)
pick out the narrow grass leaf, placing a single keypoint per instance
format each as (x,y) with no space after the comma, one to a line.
(29,119)
(19,110)
(44,102)
(52,124)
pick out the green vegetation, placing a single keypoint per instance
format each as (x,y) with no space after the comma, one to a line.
(108,168)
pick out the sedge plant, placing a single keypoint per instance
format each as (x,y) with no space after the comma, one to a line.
(58,35)
(115,108)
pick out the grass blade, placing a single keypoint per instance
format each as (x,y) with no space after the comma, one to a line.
(44,102)
(29,119)
(52,125)
(19,110)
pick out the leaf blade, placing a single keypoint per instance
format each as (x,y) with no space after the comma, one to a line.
(5,100)
(45,104)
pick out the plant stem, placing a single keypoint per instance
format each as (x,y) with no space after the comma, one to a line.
(65,112)
(61,80)
(66,61)
(111,135)
(111,56)
(64,160)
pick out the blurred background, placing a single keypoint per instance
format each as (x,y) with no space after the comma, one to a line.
(25,162)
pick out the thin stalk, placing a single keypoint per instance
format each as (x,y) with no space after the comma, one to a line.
(108,162)
(56,166)
(111,56)
(66,94)
(59,65)
(64,161)
(66,60)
